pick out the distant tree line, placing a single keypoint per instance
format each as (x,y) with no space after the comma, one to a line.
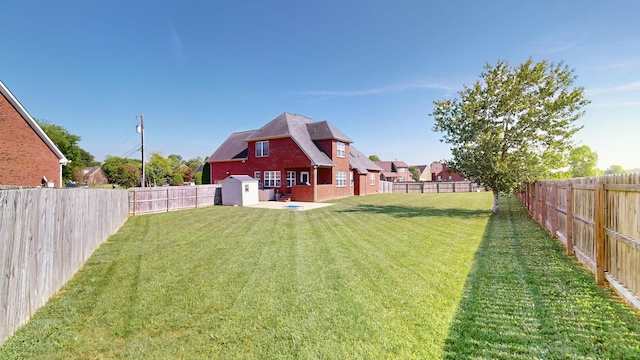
(125,172)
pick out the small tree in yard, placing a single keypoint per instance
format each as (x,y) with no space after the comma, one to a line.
(514,124)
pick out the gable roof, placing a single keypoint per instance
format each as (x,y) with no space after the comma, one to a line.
(286,125)
(32,123)
(235,147)
(360,162)
(323,130)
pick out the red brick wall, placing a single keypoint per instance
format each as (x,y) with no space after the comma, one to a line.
(24,157)
(284,154)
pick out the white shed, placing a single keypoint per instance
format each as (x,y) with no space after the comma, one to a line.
(241,190)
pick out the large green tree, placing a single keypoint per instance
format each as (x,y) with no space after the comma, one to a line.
(582,162)
(67,143)
(614,169)
(123,171)
(159,169)
(514,124)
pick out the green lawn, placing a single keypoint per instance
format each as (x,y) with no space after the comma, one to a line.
(384,276)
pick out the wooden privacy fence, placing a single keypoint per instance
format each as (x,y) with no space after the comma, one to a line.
(598,220)
(423,187)
(46,235)
(168,198)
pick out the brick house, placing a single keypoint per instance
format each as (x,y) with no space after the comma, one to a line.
(441,172)
(298,157)
(27,155)
(394,171)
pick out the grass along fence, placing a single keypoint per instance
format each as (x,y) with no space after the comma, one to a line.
(392,276)
(46,236)
(169,198)
(598,221)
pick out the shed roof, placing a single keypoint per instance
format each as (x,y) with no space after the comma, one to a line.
(32,123)
(241,178)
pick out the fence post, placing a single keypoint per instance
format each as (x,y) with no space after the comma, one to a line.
(437,187)
(197,200)
(554,210)
(534,201)
(543,205)
(599,231)
(570,218)
(453,186)
(168,187)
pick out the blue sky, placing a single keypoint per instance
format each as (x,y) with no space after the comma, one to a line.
(200,70)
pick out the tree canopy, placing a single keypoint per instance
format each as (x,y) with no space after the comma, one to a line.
(374,158)
(67,143)
(514,124)
(582,162)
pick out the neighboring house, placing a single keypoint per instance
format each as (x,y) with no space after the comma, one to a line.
(298,157)
(394,171)
(365,174)
(94,176)
(441,172)
(424,172)
(27,156)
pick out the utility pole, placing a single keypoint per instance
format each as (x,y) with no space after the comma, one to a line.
(140,129)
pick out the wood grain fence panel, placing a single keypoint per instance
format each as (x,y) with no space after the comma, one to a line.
(598,220)
(47,235)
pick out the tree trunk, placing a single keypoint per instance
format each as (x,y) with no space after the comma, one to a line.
(496,195)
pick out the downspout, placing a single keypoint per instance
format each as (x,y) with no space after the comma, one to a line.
(63,162)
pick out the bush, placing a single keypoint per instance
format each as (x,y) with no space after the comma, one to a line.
(198,178)
(178,179)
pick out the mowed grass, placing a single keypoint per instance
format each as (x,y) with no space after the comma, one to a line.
(376,277)
(369,277)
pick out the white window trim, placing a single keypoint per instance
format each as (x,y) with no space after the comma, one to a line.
(341,178)
(302,174)
(291,178)
(260,147)
(341,153)
(272,179)
(257,175)
(372,179)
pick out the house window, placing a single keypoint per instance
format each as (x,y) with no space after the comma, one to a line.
(341,178)
(262,148)
(272,179)
(291,178)
(341,149)
(256,175)
(351,177)
(304,177)
(401,170)
(372,179)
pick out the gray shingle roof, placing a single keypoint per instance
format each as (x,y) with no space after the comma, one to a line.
(235,147)
(323,130)
(360,162)
(298,127)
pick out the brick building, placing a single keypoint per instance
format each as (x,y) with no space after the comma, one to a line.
(27,155)
(297,157)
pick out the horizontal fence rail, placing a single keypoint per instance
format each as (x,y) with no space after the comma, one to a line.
(169,198)
(598,221)
(46,235)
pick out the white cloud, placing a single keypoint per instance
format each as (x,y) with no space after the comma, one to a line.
(177,50)
(614,89)
(383,90)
